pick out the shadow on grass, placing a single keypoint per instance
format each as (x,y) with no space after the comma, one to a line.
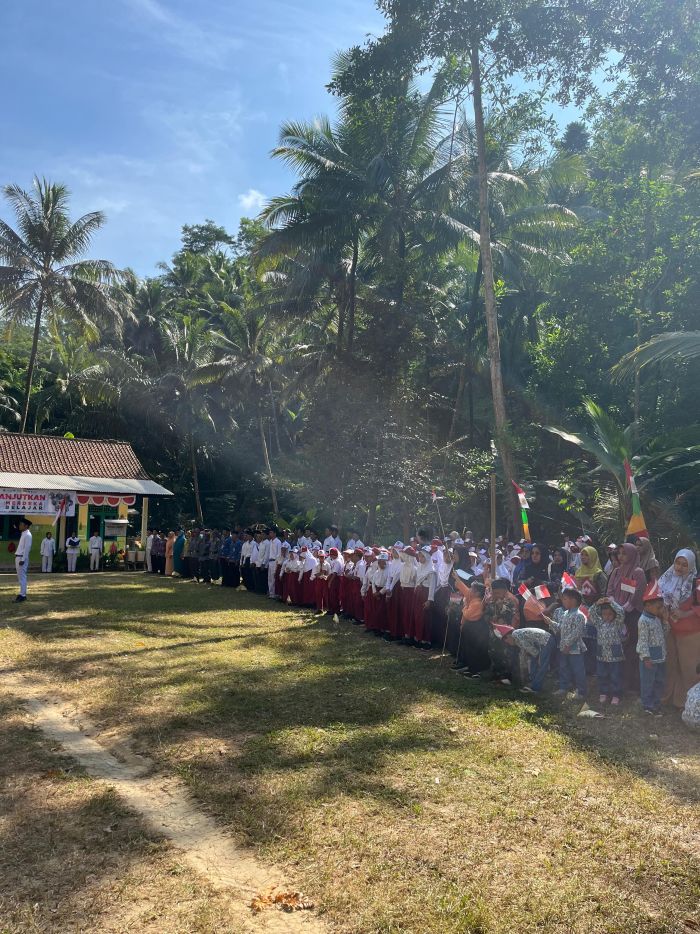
(287,682)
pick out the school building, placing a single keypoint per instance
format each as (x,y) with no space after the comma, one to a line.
(71,486)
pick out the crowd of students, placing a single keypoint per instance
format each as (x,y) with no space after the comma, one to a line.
(619,624)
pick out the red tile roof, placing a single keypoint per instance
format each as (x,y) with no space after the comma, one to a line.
(79,457)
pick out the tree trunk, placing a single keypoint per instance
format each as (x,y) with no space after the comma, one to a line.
(268,465)
(490,305)
(32,361)
(353,294)
(371,523)
(195,481)
(275,422)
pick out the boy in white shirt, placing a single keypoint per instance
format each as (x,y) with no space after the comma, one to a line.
(47,551)
(22,558)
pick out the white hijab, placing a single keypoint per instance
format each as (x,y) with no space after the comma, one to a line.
(675,588)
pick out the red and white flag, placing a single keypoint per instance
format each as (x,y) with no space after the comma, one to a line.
(525,593)
(568,581)
(629,586)
(434,497)
(62,506)
(522,499)
(541,592)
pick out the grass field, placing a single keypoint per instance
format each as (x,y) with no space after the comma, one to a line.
(400,797)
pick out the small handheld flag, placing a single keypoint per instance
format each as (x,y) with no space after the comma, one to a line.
(629,586)
(568,581)
(525,592)
(542,592)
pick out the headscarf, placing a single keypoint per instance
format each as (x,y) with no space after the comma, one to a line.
(677,589)
(647,558)
(537,569)
(557,569)
(593,568)
(629,569)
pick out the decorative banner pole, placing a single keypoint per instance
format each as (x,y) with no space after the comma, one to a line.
(524,506)
(435,499)
(637,525)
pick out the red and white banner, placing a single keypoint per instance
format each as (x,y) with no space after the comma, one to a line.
(105,499)
(36,502)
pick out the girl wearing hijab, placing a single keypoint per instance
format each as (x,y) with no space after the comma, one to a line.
(558,564)
(647,559)
(590,576)
(626,586)
(169,563)
(678,586)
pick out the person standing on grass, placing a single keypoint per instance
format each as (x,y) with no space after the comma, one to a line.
(570,624)
(72,552)
(608,620)
(22,552)
(626,586)
(679,587)
(178,550)
(169,554)
(95,548)
(48,550)
(149,550)
(651,648)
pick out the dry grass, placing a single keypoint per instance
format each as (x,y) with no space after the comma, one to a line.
(398,796)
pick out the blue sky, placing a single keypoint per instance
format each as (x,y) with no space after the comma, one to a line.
(163,112)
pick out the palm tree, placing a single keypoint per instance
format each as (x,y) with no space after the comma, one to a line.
(673,347)
(43,275)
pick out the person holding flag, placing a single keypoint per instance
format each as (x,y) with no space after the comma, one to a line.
(626,586)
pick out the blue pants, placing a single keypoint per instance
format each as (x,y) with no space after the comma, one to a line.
(572,671)
(651,684)
(610,678)
(539,664)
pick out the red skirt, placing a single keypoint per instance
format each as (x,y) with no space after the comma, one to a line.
(343,593)
(405,627)
(278,580)
(334,585)
(307,590)
(421,616)
(368,609)
(354,604)
(321,593)
(380,612)
(393,612)
(438,625)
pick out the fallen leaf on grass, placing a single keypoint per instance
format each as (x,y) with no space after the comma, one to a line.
(287,901)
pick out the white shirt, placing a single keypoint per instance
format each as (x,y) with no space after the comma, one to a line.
(274,549)
(48,547)
(354,543)
(73,544)
(332,542)
(25,545)
(337,565)
(149,543)
(426,577)
(304,541)
(246,549)
(95,543)
(394,567)
(407,576)
(254,552)
(263,553)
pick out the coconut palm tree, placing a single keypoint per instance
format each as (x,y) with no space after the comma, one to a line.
(43,276)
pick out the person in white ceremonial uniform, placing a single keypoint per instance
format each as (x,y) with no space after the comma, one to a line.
(273,555)
(95,546)
(72,552)
(24,548)
(47,551)
(332,539)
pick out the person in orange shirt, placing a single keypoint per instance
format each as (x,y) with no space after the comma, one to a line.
(472,654)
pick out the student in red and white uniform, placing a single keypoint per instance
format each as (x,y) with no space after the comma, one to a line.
(336,565)
(426,579)
(407,586)
(319,578)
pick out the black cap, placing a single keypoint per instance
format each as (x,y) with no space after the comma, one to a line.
(25,520)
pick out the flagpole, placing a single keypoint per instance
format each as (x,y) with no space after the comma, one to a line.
(493,526)
(440,518)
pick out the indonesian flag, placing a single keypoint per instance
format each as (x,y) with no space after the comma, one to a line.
(522,499)
(525,592)
(542,592)
(568,581)
(62,506)
(434,497)
(629,586)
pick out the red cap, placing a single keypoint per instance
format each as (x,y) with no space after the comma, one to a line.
(653,592)
(333,552)
(408,550)
(502,631)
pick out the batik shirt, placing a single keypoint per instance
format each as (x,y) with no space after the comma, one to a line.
(652,638)
(691,713)
(530,640)
(571,627)
(609,636)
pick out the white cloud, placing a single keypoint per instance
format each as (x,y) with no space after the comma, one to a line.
(207,44)
(252,201)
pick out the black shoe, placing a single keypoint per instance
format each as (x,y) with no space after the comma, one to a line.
(19,598)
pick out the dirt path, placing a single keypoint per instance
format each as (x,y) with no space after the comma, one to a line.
(165,805)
